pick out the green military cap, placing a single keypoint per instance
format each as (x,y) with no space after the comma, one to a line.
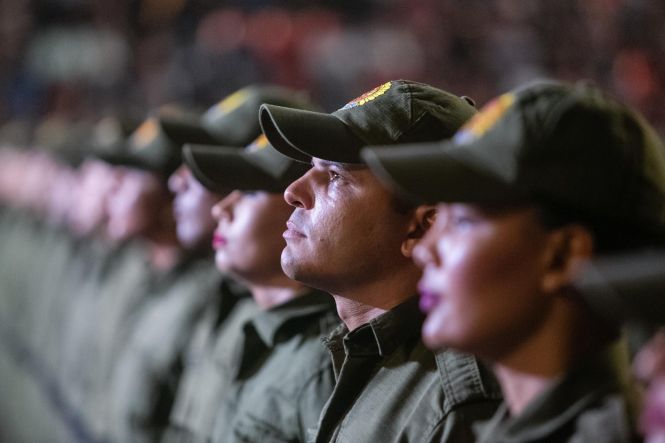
(399,111)
(567,146)
(257,167)
(148,146)
(157,144)
(233,121)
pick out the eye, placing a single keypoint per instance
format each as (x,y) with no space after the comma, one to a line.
(333,176)
(462,221)
(464,217)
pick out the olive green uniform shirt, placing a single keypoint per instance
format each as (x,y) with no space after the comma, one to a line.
(206,373)
(590,404)
(147,372)
(281,376)
(390,388)
(104,332)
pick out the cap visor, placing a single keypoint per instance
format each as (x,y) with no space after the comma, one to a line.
(440,172)
(223,169)
(626,287)
(124,159)
(181,132)
(301,135)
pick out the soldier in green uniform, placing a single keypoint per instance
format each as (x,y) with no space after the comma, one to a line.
(216,342)
(352,238)
(147,373)
(277,375)
(542,180)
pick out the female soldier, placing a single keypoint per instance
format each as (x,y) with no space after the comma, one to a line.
(542,180)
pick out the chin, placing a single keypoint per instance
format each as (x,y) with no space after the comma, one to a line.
(294,272)
(288,263)
(222,265)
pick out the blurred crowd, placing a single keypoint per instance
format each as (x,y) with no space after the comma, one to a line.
(80,61)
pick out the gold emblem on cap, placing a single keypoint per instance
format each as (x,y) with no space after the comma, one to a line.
(145,134)
(259,143)
(230,103)
(368,96)
(485,119)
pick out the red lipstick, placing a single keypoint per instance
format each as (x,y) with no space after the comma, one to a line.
(218,241)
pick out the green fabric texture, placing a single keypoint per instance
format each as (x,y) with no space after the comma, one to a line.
(282,376)
(390,388)
(591,403)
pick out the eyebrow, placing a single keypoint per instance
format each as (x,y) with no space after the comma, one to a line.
(345,166)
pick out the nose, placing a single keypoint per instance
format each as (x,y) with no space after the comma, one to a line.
(224,208)
(425,253)
(177,182)
(298,193)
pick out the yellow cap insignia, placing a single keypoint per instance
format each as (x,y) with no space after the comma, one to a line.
(485,119)
(368,96)
(229,104)
(144,134)
(260,143)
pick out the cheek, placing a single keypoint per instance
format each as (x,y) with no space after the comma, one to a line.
(193,202)
(247,236)
(339,224)
(486,292)
(326,227)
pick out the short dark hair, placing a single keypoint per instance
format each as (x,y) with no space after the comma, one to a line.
(402,206)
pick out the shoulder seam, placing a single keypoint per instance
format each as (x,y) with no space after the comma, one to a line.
(462,379)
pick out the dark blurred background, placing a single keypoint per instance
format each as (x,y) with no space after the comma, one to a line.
(78,60)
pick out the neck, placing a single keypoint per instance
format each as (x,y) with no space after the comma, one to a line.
(520,388)
(165,250)
(362,303)
(275,292)
(164,256)
(550,351)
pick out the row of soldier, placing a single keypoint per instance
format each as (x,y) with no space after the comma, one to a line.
(306,324)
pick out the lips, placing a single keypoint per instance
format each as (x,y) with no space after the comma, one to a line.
(428,299)
(292,231)
(218,240)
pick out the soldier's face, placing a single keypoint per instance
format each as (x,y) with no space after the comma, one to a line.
(96,182)
(345,230)
(134,205)
(191,208)
(649,367)
(248,238)
(36,182)
(61,195)
(483,273)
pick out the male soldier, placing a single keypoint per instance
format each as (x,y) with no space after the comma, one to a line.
(148,371)
(278,377)
(147,262)
(350,237)
(247,251)
(544,179)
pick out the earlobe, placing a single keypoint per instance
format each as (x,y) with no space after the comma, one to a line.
(572,248)
(423,218)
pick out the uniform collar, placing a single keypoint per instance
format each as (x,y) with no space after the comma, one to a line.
(595,377)
(381,335)
(269,324)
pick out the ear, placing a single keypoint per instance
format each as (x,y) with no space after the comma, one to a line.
(571,247)
(421,220)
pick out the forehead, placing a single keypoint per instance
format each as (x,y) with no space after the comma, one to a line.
(519,216)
